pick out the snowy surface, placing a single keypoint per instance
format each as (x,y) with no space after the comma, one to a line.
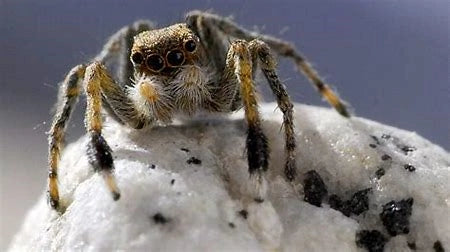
(170,204)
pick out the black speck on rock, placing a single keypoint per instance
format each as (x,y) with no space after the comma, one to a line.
(231,225)
(194,160)
(386,157)
(359,203)
(243,213)
(337,203)
(412,245)
(184,149)
(375,139)
(395,216)
(152,166)
(172,181)
(407,149)
(258,200)
(372,240)
(437,246)
(314,188)
(380,173)
(160,219)
(385,136)
(409,167)
(373,146)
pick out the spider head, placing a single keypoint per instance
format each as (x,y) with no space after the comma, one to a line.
(164,51)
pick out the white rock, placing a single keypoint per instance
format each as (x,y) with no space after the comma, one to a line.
(203,202)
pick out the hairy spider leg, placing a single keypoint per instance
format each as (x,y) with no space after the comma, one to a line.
(281,47)
(239,62)
(261,51)
(99,153)
(99,88)
(69,91)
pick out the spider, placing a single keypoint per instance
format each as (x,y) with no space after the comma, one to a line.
(207,63)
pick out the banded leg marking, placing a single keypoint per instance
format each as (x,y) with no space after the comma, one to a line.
(261,51)
(99,153)
(67,99)
(239,62)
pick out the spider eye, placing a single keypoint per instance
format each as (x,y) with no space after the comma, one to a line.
(175,58)
(190,45)
(155,62)
(137,58)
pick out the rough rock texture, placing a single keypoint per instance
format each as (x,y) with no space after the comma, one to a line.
(184,188)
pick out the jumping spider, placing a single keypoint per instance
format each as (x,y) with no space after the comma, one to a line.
(207,63)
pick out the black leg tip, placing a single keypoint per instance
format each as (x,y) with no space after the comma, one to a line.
(343,110)
(258,200)
(54,204)
(116,196)
(290,170)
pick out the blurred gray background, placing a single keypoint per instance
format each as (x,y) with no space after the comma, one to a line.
(389,59)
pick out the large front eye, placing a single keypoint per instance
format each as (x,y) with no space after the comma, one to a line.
(175,58)
(155,62)
(190,45)
(137,58)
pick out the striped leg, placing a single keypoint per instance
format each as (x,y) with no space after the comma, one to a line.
(98,86)
(67,99)
(285,49)
(261,52)
(99,153)
(239,62)
(280,47)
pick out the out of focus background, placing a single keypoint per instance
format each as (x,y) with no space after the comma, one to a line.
(389,59)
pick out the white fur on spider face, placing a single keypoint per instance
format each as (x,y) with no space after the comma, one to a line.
(152,98)
(190,88)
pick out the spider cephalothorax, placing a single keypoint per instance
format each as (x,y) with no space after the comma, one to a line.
(205,64)
(163,51)
(171,72)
